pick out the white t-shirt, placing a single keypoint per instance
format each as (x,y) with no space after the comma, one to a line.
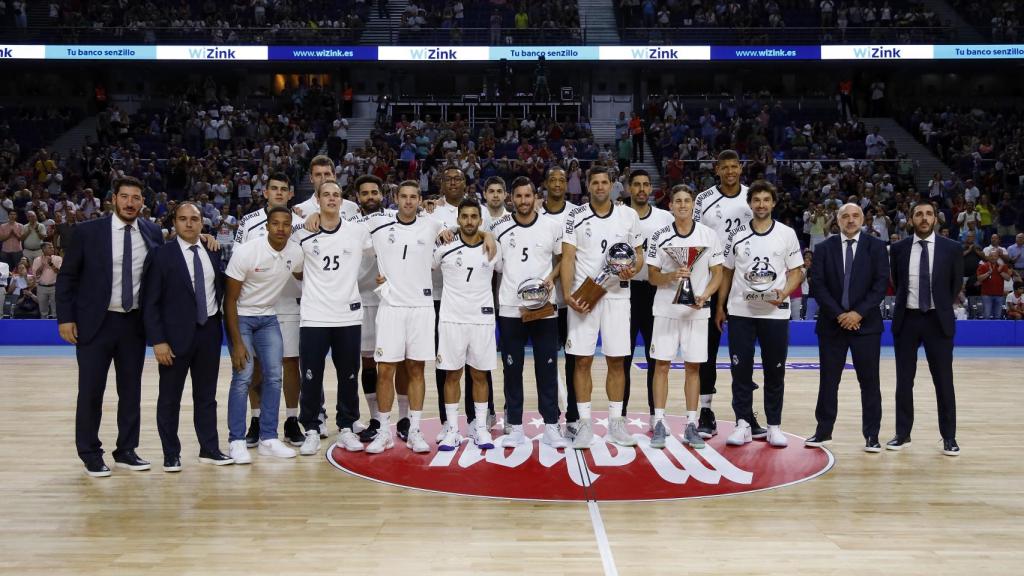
(1012,300)
(404,255)
(722,213)
(488,219)
(559,217)
(330,291)
(225,234)
(592,235)
(760,263)
(527,251)
(264,274)
(254,225)
(656,220)
(467,275)
(705,252)
(349,209)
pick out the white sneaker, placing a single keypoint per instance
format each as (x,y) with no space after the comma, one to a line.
(383,441)
(358,427)
(275,448)
(446,429)
(311,445)
(450,440)
(584,435)
(482,438)
(741,435)
(349,440)
(570,430)
(416,443)
(515,438)
(239,452)
(619,434)
(776,438)
(553,436)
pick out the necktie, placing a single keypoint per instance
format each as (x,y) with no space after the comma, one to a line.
(924,289)
(127,285)
(847,272)
(199,284)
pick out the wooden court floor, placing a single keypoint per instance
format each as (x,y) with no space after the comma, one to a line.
(914,512)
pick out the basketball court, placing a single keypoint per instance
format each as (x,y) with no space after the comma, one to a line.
(722,510)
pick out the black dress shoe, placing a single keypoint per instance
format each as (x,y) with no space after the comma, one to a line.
(97,469)
(172,464)
(818,440)
(897,443)
(950,447)
(756,430)
(871,444)
(403,429)
(370,432)
(131,461)
(216,457)
(293,432)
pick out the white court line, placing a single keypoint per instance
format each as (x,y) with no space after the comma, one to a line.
(602,540)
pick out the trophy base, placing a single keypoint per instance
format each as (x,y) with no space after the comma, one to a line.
(541,313)
(590,293)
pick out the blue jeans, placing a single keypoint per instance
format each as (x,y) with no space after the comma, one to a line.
(993,307)
(262,338)
(810,308)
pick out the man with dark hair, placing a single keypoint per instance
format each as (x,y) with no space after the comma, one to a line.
(494,196)
(321,169)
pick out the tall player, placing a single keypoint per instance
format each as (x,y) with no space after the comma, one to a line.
(556,207)
(321,169)
(254,226)
(589,231)
(641,290)
(763,266)
(495,195)
(723,208)
(467,325)
(332,313)
(680,330)
(531,246)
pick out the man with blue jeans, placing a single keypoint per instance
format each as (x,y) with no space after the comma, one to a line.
(992,275)
(256,275)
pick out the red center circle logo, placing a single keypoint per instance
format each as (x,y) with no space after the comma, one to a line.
(536,471)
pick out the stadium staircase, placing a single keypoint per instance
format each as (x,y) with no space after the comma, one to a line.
(75,137)
(925,162)
(604,133)
(380,32)
(597,17)
(965,33)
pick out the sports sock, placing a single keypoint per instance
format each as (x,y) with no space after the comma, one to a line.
(615,409)
(691,417)
(291,412)
(451,412)
(255,412)
(584,409)
(414,419)
(705,400)
(371,402)
(481,408)
(659,415)
(383,419)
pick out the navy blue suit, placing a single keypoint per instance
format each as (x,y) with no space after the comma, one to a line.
(170,317)
(83,295)
(869,280)
(934,329)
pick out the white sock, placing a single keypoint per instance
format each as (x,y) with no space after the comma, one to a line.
(414,419)
(371,402)
(691,417)
(255,412)
(451,412)
(481,408)
(615,409)
(383,418)
(403,406)
(584,409)
(291,412)
(659,415)
(705,400)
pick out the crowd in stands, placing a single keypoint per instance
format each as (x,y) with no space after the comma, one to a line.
(997,19)
(493,22)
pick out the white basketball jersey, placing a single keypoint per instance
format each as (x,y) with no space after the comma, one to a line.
(760,263)
(592,235)
(368,270)
(558,217)
(526,252)
(722,213)
(467,274)
(703,249)
(404,253)
(330,290)
(448,216)
(655,220)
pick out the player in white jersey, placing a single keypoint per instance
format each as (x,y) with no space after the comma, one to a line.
(681,330)
(590,230)
(331,313)
(556,207)
(467,325)
(531,246)
(722,208)
(641,290)
(494,198)
(321,169)
(763,266)
(254,225)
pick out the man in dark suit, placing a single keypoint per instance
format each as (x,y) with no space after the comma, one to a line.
(849,279)
(184,285)
(927,273)
(98,301)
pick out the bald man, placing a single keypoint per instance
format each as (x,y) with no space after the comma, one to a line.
(849,279)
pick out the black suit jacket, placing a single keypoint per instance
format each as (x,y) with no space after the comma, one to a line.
(86,276)
(869,280)
(947,274)
(169,305)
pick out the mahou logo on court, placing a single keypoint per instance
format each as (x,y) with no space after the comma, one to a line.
(535,471)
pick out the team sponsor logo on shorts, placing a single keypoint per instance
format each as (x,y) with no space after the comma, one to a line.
(379,352)
(535,471)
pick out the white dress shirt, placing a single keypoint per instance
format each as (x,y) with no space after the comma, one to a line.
(914,276)
(209,275)
(139,250)
(842,244)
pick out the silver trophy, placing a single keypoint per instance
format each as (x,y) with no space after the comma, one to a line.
(620,257)
(685,256)
(760,280)
(536,299)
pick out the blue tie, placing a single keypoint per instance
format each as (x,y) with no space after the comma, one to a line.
(126,272)
(199,284)
(847,273)
(924,289)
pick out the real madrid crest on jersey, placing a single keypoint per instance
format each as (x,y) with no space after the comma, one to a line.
(746,249)
(316,247)
(288,264)
(391,237)
(512,239)
(587,231)
(458,259)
